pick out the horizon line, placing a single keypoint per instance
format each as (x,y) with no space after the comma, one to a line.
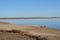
(9,18)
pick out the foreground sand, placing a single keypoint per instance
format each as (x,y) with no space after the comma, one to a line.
(24,32)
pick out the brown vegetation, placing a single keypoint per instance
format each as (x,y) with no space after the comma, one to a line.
(23,32)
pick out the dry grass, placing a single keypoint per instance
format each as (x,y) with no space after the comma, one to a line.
(32,32)
(22,34)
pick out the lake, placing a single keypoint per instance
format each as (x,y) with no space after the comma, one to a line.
(52,23)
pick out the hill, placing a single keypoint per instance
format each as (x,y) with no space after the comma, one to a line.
(32,32)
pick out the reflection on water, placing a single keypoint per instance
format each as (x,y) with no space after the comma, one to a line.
(52,23)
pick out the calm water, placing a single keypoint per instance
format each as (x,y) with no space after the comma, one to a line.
(52,23)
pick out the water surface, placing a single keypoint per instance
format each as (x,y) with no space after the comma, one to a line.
(52,23)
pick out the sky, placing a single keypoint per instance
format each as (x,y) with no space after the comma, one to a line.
(29,8)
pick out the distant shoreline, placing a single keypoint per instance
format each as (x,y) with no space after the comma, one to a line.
(9,18)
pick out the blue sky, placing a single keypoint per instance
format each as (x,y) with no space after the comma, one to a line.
(29,8)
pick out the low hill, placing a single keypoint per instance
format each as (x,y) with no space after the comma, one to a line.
(34,32)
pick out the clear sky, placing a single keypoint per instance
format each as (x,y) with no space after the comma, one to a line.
(29,8)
